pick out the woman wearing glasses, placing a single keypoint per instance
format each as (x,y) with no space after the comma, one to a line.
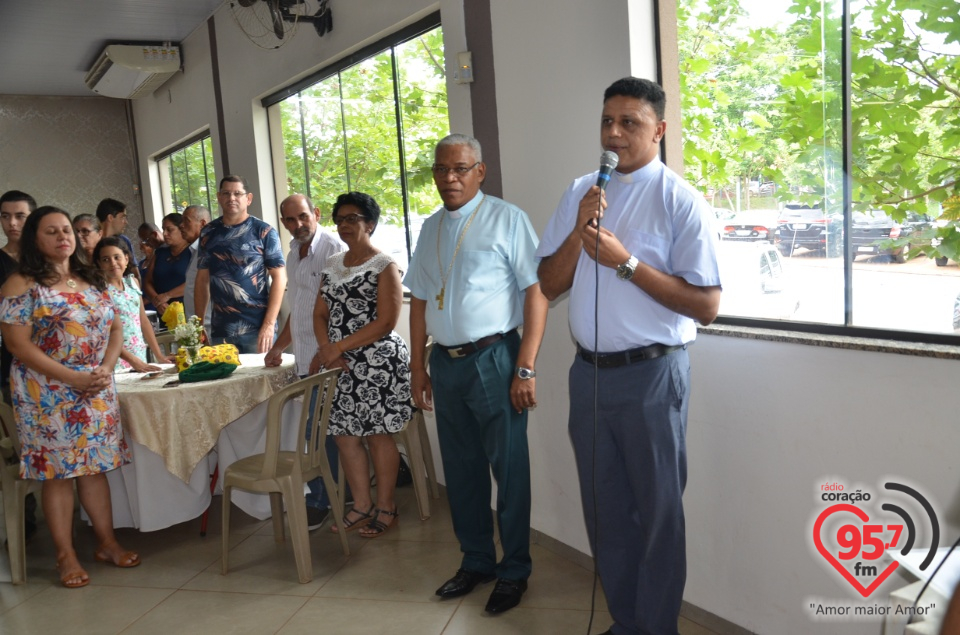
(88,232)
(354,318)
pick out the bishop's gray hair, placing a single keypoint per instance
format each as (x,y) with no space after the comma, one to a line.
(460,140)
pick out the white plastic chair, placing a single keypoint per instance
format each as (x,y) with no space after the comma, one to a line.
(15,490)
(282,473)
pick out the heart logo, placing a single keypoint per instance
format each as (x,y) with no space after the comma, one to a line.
(862,515)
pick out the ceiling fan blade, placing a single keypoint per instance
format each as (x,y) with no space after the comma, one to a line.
(276,18)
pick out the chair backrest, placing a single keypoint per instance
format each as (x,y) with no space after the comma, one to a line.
(317,392)
(9,439)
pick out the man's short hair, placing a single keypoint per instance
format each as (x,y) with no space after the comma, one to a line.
(109,207)
(15,196)
(305,198)
(642,89)
(148,227)
(233,178)
(459,140)
(363,202)
(202,212)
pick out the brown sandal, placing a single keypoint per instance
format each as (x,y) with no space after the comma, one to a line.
(127,559)
(377,528)
(74,574)
(363,520)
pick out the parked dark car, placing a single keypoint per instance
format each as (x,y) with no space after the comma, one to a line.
(752,225)
(811,228)
(870,230)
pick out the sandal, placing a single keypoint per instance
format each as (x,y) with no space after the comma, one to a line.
(377,528)
(363,520)
(74,578)
(127,559)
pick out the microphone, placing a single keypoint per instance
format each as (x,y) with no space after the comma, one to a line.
(608,161)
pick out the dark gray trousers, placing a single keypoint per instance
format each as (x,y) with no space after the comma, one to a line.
(631,485)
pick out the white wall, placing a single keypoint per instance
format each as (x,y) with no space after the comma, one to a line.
(553,60)
(769,422)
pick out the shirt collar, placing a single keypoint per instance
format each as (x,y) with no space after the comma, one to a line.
(467,209)
(317,237)
(639,174)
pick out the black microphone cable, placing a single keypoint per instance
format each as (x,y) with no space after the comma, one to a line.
(596,411)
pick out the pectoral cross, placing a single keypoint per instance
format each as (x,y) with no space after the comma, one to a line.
(440,298)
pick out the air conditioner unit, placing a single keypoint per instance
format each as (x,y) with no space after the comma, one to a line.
(129,71)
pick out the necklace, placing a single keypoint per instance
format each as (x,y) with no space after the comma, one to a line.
(71,283)
(344,270)
(456,250)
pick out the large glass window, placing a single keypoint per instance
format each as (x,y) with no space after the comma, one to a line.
(371,126)
(766,141)
(187,176)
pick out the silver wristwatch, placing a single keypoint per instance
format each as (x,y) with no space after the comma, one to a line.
(627,269)
(526,373)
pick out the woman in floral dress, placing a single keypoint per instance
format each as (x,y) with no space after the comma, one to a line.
(354,318)
(113,259)
(58,321)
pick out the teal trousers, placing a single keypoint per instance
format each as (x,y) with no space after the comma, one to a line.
(479,432)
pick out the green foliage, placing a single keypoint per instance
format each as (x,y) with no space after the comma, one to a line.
(192,177)
(768,101)
(342,133)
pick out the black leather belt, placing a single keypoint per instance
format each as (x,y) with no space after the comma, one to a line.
(622,358)
(462,350)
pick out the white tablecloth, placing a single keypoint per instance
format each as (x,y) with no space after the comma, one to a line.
(146,494)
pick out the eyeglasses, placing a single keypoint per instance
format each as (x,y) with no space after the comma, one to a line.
(232,194)
(350,219)
(86,232)
(442,170)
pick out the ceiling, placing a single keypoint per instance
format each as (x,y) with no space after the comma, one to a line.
(47,46)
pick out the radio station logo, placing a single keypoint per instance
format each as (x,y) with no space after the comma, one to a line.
(852,534)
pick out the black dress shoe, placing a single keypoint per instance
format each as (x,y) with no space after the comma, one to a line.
(506,595)
(462,583)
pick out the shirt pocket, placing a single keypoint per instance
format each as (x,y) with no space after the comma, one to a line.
(483,270)
(648,248)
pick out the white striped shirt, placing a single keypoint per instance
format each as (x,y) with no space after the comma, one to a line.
(303,287)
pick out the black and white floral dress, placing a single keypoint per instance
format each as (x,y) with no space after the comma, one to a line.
(374,396)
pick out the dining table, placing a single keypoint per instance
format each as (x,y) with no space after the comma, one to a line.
(180,432)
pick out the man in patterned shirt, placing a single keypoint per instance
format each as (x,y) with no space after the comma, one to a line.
(241,271)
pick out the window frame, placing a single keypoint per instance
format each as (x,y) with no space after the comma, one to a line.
(668,72)
(388,43)
(164,169)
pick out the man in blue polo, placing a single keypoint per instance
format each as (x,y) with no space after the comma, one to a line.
(473,280)
(241,271)
(655,272)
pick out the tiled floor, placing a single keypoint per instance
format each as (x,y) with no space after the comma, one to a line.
(386,586)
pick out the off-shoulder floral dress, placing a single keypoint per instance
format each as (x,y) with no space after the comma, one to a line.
(64,434)
(373,397)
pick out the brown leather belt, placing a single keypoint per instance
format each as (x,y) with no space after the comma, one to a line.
(462,350)
(622,358)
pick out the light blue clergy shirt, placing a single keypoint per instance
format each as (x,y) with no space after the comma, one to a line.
(662,221)
(484,290)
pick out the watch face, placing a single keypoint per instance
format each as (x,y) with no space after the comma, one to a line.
(524,373)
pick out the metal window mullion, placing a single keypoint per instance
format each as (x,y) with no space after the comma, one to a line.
(401,151)
(846,59)
(206,180)
(343,129)
(186,172)
(303,146)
